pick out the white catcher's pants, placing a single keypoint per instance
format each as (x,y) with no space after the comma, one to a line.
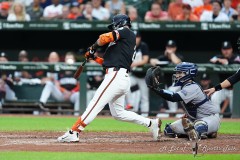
(51,89)
(213,122)
(112,90)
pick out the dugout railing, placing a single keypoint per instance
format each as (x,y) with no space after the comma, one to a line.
(29,94)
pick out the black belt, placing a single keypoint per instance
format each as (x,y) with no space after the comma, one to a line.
(115,69)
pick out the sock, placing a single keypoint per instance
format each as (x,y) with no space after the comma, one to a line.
(79,125)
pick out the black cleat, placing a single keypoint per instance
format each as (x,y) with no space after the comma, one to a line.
(42,107)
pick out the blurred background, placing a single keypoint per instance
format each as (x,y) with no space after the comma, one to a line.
(41,39)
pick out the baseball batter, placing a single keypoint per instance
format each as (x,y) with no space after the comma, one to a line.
(202,117)
(117,61)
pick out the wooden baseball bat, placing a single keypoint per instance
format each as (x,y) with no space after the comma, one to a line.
(80,69)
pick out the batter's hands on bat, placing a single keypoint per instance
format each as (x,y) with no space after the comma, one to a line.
(209,91)
(90,53)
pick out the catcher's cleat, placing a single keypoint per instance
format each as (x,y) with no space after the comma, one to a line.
(155,128)
(192,134)
(69,136)
(212,135)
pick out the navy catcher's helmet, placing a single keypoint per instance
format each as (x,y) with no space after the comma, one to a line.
(119,21)
(190,69)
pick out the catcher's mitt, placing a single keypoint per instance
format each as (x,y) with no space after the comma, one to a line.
(153,77)
(238,44)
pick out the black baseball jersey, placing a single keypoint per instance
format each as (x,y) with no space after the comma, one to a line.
(67,81)
(120,52)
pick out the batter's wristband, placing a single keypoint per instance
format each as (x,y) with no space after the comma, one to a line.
(218,87)
(95,45)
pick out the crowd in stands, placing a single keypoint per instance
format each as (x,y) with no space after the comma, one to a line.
(103,10)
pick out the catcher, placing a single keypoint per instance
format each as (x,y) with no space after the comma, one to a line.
(201,118)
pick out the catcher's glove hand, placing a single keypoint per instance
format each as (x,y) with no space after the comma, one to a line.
(238,44)
(153,77)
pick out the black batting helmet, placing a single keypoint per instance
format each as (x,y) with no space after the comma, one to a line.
(118,21)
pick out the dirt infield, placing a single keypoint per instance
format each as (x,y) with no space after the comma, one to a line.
(115,142)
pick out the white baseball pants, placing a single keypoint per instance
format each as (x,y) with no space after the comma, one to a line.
(113,90)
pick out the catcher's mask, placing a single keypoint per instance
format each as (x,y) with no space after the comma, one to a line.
(185,71)
(119,21)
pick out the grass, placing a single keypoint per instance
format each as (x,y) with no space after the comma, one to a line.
(19,123)
(29,123)
(103,156)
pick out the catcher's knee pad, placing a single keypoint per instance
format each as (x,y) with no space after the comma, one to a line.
(168,131)
(202,128)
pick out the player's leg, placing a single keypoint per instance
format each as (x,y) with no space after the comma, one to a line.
(10,94)
(51,89)
(144,100)
(109,88)
(229,94)
(118,112)
(212,122)
(174,129)
(217,98)
(75,99)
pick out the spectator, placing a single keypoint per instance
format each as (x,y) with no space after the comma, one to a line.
(133,14)
(67,2)
(50,76)
(134,98)
(156,14)
(235,3)
(65,12)
(170,56)
(4,7)
(227,57)
(45,3)
(163,3)
(99,11)
(227,9)
(207,6)
(236,17)
(65,89)
(88,13)
(74,11)
(21,77)
(115,7)
(25,3)
(174,9)
(54,11)
(187,14)
(6,83)
(35,11)
(18,13)
(216,15)
(193,3)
